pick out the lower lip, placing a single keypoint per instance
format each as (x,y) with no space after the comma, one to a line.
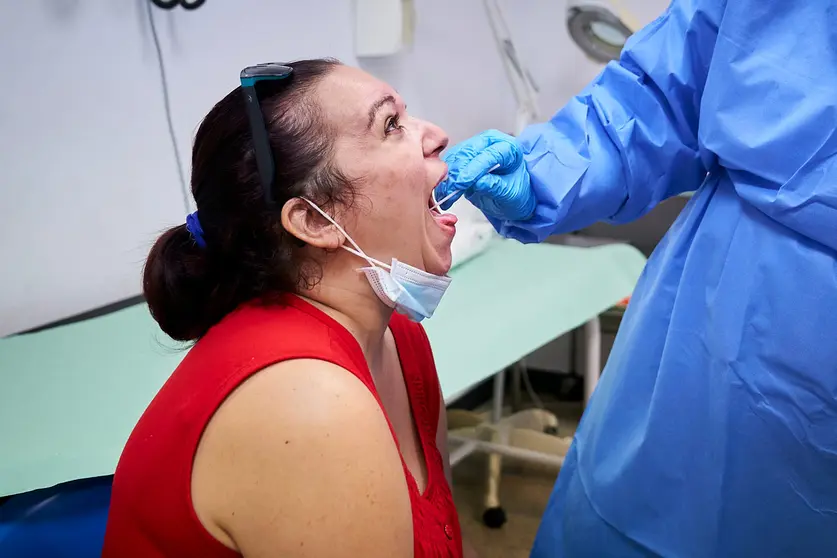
(446,221)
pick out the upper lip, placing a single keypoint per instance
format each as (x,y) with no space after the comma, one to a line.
(431,199)
(441,178)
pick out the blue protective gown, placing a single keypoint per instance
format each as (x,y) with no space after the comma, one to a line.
(713,431)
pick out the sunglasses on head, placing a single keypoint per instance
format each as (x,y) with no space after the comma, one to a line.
(250,76)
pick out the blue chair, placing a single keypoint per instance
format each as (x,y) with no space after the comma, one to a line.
(63,521)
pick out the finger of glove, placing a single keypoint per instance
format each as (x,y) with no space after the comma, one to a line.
(505,154)
(493,185)
(458,156)
(462,153)
(487,205)
(502,197)
(486,139)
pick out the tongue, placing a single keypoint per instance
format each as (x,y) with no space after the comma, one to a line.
(446,219)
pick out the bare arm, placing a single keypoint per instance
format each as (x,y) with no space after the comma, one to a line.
(298,462)
(442,445)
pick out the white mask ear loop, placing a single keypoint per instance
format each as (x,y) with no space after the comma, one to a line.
(357,251)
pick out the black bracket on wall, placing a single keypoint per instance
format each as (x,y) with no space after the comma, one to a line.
(172,4)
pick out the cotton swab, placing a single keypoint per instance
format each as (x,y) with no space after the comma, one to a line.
(439,203)
(443,200)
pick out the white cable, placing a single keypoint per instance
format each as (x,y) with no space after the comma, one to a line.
(167,106)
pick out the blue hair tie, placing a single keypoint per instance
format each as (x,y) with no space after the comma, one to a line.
(193,225)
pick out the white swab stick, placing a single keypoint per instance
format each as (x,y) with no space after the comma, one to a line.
(443,200)
(452,194)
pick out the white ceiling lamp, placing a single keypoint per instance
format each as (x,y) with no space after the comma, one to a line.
(598,29)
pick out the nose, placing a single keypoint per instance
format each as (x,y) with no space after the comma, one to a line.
(434,140)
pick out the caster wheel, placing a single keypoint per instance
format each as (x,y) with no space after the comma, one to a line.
(551,430)
(494,518)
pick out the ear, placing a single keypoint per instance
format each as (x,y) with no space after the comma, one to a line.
(303,221)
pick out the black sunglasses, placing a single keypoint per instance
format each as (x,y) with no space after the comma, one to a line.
(250,76)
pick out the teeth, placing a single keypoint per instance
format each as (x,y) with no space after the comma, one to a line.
(432,204)
(431,201)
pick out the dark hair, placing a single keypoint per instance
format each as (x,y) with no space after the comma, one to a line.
(248,254)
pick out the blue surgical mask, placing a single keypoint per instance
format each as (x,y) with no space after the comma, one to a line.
(408,290)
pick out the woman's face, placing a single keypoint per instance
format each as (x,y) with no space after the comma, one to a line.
(395,160)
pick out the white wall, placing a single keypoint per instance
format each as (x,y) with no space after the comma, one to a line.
(87,172)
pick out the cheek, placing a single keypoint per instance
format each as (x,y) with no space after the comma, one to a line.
(394,180)
(412,177)
(400,204)
(400,181)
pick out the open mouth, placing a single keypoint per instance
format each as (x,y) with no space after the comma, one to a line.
(431,203)
(446,221)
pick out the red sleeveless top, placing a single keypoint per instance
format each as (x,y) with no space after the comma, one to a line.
(151,513)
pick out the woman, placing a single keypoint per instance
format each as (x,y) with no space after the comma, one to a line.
(307,419)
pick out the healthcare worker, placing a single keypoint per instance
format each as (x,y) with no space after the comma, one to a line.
(713,431)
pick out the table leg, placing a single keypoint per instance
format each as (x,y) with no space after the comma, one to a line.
(516,377)
(497,398)
(593,356)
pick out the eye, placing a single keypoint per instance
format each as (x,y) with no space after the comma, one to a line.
(393,124)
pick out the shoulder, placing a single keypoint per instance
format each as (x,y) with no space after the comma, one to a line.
(299,454)
(305,403)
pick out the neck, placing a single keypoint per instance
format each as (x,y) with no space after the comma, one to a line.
(349,299)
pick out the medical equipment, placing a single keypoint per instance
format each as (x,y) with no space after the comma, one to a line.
(437,206)
(598,31)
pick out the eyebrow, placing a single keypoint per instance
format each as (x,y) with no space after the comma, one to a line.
(373,110)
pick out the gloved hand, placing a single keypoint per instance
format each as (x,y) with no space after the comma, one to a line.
(504,193)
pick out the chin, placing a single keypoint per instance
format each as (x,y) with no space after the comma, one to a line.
(437,249)
(443,266)
(439,260)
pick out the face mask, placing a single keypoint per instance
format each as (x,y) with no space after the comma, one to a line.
(410,291)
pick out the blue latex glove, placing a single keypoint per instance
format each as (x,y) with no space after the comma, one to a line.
(504,193)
